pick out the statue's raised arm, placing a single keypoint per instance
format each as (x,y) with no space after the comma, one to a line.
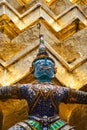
(13,91)
(77,96)
(68,95)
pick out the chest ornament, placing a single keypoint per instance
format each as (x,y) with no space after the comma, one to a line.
(44,90)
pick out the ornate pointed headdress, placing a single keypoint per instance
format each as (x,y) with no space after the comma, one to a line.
(42,53)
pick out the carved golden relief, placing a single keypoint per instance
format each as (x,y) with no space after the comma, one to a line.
(14,20)
(16,26)
(8,27)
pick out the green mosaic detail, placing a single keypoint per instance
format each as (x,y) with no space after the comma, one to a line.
(34,124)
(56,125)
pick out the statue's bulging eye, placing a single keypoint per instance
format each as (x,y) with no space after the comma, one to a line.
(41,63)
(40,68)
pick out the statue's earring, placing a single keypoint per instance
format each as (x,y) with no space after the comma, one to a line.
(31,69)
(55,70)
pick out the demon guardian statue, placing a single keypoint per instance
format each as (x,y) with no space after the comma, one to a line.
(43,97)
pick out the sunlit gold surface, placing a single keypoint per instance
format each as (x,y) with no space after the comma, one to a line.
(49,2)
(8,27)
(23,2)
(82,2)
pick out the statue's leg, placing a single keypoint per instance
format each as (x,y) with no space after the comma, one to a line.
(67,127)
(60,125)
(35,125)
(21,126)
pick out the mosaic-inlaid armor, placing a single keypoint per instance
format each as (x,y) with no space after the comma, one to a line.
(43,97)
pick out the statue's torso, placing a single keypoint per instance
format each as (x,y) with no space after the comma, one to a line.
(42,98)
(44,108)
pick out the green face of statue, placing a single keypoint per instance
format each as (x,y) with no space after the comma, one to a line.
(44,69)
